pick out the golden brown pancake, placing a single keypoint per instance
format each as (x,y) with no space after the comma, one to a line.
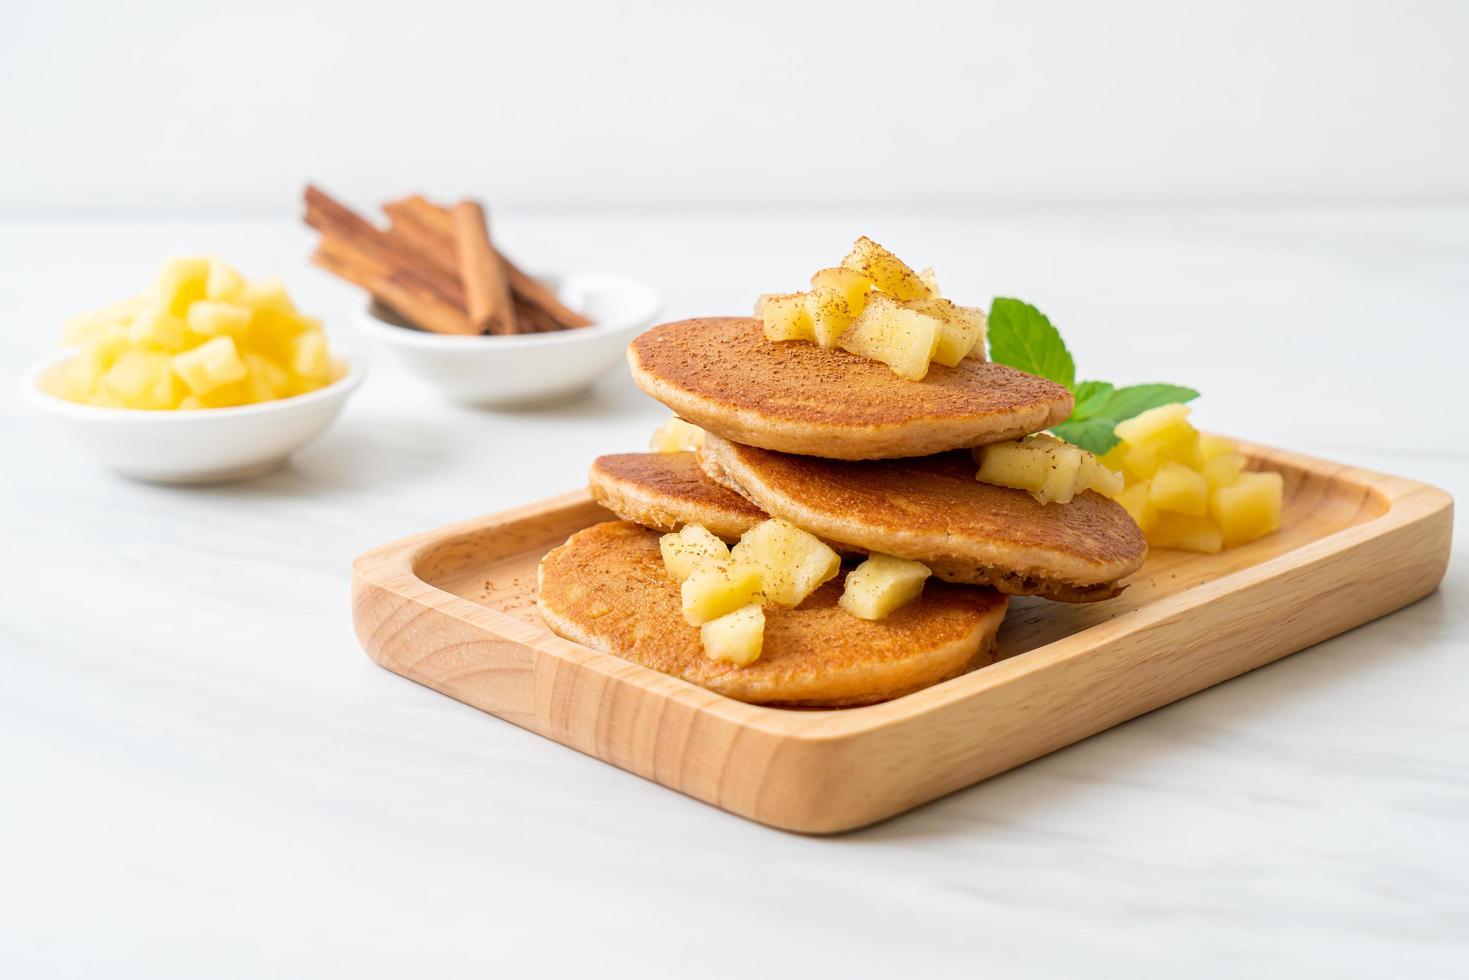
(721,373)
(606,588)
(933,510)
(665,491)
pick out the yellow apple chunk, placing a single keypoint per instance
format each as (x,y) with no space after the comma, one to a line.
(87,326)
(1211,446)
(266,380)
(1224,469)
(792,563)
(961,331)
(902,339)
(309,359)
(1179,489)
(267,296)
(736,637)
(1249,508)
(143,379)
(676,436)
(1139,506)
(687,549)
(180,283)
(1186,533)
(223,282)
(886,271)
(714,589)
(153,326)
(1050,469)
(211,318)
(787,317)
(882,584)
(213,364)
(838,296)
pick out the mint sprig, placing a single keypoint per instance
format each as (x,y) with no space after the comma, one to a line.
(1022,336)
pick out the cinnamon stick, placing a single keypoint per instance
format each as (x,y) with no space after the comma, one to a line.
(426,228)
(333,218)
(486,291)
(401,289)
(429,228)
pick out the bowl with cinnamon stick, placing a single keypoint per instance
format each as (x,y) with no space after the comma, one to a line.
(450,308)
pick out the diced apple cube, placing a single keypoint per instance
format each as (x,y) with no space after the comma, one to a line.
(1179,489)
(180,283)
(154,326)
(309,358)
(1186,533)
(143,379)
(792,563)
(267,380)
(226,396)
(676,436)
(930,279)
(1249,508)
(787,317)
(1094,476)
(223,282)
(1224,469)
(687,549)
(888,272)
(1146,425)
(101,349)
(267,296)
(1063,467)
(714,589)
(80,380)
(86,326)
(211,365)
(1051,469)
(1139,506)
(737,636)
(882,584)
(1211,446)
(903,339)
(211,318)
(838,296)
(961,333)
(1011,464)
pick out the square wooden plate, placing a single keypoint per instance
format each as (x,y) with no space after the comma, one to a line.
(454,609)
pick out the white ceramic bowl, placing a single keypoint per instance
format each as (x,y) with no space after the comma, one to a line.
(208,445)
(524,369)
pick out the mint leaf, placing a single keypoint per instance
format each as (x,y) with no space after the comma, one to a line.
(1093,434)
(1092,430)
(1090,396)
(1022,337)
(1124,403)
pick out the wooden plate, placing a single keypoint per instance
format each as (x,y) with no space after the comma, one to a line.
(454,609)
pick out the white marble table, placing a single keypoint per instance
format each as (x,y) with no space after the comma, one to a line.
(201,774)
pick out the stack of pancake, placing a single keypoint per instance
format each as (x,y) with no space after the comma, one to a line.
(868,461)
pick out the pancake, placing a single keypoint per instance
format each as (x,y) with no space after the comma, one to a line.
(721,374)
(606,588)
(665,491)
(933,510)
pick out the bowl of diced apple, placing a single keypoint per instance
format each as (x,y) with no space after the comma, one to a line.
(202,378)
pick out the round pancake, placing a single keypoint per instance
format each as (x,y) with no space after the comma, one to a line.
(721,374)
(606,588)
(933,510)
(665,491)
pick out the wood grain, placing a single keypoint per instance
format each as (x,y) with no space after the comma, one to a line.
(454,609)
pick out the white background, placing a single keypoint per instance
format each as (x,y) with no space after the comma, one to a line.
(186,105)
(201,775)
